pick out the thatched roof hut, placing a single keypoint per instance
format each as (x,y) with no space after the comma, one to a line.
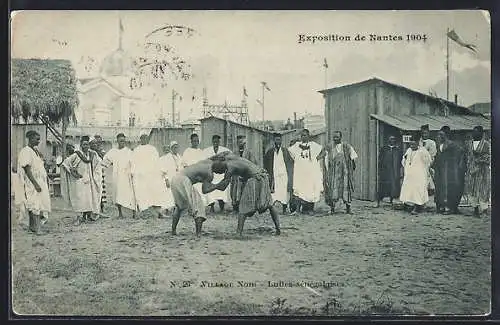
(43,88)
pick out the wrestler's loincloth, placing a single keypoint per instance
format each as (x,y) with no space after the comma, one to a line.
(186,196)
(256,194)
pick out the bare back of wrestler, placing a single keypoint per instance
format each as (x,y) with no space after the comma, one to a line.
(256,193)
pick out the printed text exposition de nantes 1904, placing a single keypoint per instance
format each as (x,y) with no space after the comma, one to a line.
(310,38)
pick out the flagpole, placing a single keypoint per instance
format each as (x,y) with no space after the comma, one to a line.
(263,90)
(447,65)
(326,76)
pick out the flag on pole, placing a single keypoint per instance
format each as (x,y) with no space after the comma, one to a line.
(325,64)
(454,36)
(121,25)
(266,86)
(245,92)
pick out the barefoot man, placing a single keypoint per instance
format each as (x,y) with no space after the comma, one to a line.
(256,193)
(187,198)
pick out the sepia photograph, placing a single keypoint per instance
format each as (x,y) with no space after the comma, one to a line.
(250,163)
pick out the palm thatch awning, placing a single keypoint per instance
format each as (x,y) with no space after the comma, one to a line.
(43,88)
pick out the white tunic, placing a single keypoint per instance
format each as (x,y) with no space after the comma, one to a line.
(149,185)
(192,156)
(416,164)
(217,195)
(280,178)
(36,202)
(121,161)
(307,174)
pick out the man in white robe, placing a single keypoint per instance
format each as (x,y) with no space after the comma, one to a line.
(149,186)
(431,147)
(217,195)
(81,181)
(171,164)
(193,155)
(121,160)
(307,173)
(279,166)
(416,162)
(33,189)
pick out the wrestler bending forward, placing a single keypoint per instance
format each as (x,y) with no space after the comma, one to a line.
(256,193)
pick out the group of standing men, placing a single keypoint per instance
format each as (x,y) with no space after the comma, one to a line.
(444,169)
(294,176)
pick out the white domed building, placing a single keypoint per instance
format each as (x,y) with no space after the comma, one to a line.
(108,98)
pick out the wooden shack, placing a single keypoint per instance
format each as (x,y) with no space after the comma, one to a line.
(258,141)
(355,109)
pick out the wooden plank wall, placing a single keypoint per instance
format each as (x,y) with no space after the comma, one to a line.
(18,140)
(163,136)
(209,128)
(399,102)
(348,110)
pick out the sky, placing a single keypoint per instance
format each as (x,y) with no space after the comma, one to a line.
(235,49)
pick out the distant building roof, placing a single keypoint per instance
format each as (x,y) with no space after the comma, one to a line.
(462,109)
(414,122)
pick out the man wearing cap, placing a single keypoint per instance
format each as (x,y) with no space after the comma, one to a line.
(430,145)
(237,181)
(416,162)
(171,163)
(121,160)
(478,175)
(149,185)
(217,195)
(449,167)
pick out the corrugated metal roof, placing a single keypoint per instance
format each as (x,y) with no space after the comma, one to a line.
(108,133)
(414,122)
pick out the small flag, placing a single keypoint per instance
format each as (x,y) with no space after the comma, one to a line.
(325,64)
(121,25)
(454,36)
(266,86)
(245,92)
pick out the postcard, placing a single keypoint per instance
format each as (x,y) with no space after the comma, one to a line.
(250,163)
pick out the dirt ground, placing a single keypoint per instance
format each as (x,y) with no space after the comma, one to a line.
(376,261)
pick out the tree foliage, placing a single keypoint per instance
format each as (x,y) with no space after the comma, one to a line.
(43,87)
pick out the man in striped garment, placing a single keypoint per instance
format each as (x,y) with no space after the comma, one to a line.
(97,145)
